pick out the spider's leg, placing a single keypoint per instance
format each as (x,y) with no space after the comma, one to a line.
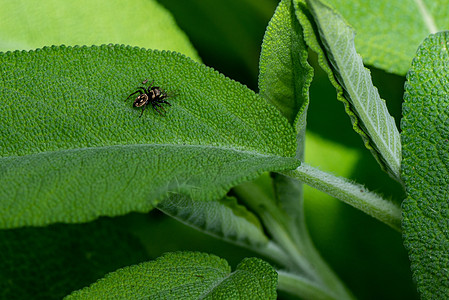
(133,94)
(158,105)
(143,109)
(151,84)
(144,90)
(163,101)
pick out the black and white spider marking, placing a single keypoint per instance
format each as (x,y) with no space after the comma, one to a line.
(152,95)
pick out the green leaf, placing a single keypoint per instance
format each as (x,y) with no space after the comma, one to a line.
(223,218)
(368,112)
(186,275)
(253,279)
(425,167)
(388,32)
(73,150)
(285,74)
(284,80)
(142,23)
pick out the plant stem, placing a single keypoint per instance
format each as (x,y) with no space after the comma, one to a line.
(271,250)
(299,285)
(303,255)
(351,193)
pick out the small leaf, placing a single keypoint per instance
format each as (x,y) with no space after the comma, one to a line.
(285,74)
(284,80)
(425,167)
(72,149)
(186,275)
(143,23)
(368,112)
(223,218)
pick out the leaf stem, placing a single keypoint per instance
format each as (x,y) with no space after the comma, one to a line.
(300,285)
(351,193)
(303,256)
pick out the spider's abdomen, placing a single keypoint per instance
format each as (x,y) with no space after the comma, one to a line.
(140,100)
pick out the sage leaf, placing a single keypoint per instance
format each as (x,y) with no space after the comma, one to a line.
(368,112)
(72,149)
(186,275)
(285,75)
(223,218)
(425,167)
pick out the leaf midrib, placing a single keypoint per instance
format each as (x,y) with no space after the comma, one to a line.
(180,146)
(348,84)
(427,17)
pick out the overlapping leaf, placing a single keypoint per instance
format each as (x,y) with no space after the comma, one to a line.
(368,112)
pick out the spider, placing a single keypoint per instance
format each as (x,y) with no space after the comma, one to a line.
(153,95)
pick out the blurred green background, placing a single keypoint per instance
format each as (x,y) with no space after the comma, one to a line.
(227,35)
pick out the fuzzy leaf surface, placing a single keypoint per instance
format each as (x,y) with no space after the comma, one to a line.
(186,275)
(285,75)
(223,218)
(425,167)
(388,32)
(368,112)
(74,150)
(284,80)
(90,22)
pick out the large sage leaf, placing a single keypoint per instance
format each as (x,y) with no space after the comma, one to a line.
(425,167)
(72,149)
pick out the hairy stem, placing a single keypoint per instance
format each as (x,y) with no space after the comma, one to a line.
(351,193)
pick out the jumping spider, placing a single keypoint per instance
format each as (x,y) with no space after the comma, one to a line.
(152,95)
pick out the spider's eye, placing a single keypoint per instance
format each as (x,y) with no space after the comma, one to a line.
(140,100)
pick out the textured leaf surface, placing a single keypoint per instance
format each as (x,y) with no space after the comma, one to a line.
(284,80)
(74,150)
(367,110)
(186,276)
(388,32)
(223,218)
(28,24)
(285,74)
(425,167)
